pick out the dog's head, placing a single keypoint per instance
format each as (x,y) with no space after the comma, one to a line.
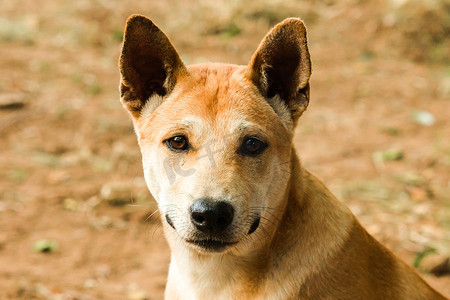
(216,139)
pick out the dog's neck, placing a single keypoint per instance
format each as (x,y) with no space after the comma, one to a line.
(307,211)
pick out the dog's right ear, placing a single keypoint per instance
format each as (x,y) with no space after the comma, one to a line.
(149,64)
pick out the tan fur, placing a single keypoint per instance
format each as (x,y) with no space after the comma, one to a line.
(308,244)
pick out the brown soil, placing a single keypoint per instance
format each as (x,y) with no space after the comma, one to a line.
(66,141)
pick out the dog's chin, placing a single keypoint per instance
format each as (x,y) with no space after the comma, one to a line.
(210,245)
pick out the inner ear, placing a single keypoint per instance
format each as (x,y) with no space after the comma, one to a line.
(279,73)
(281,66)
(149,64)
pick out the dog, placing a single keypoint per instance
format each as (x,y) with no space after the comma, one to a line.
(243,218)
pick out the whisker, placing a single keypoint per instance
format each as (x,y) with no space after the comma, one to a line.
(151,215)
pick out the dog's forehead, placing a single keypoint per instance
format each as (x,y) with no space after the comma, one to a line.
(220,87)
(220,95)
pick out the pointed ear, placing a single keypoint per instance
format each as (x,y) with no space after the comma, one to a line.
(149,64)
(281,66)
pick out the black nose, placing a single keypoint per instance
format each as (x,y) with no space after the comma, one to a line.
(211,216)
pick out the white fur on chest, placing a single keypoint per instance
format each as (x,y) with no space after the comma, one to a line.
(215,277)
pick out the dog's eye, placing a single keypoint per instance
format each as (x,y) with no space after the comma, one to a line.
(178,143)
(252,146)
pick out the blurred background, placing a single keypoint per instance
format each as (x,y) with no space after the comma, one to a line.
(74,210)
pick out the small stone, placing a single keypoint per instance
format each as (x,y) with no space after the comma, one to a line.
(136,293)
(12,101)
(423,118)
(116,194)
(436,264)
(90,283)
(70,204)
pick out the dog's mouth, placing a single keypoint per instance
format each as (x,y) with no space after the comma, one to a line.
(211,245)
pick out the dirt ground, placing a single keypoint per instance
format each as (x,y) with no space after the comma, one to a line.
(376,132)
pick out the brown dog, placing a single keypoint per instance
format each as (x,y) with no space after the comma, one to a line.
(243,218)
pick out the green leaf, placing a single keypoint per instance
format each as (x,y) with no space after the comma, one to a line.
(421,255)
(388,155)
(45,246)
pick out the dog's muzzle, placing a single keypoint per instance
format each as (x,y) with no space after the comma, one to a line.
(212,220)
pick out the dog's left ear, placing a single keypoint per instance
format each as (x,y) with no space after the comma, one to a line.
(281,66)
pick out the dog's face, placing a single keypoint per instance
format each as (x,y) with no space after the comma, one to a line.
(215,138)
(214,153)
